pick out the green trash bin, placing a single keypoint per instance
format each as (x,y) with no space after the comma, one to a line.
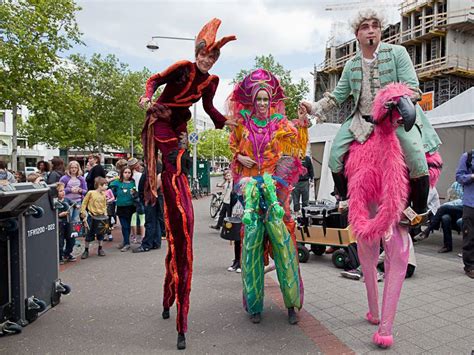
(203,175)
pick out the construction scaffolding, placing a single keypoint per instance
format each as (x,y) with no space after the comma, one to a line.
(439,37)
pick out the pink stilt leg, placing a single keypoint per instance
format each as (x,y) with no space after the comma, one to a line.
(396,261)
(368,252)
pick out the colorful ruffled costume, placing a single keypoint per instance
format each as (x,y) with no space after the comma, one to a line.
(276,145)
(166,120)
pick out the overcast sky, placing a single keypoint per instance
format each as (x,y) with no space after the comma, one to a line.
(294,31)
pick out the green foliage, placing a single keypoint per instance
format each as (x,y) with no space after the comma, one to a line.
(214,143)
(95,106)
(33,35)
(295,92)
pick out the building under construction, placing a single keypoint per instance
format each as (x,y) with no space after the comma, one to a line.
(438,35)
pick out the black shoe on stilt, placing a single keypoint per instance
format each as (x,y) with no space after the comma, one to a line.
(181,345)
(256,318)
(292,318)
(341,190)
(166,313)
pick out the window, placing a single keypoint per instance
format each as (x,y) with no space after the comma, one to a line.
(3,121)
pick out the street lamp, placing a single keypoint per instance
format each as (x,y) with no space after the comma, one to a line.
(153,46)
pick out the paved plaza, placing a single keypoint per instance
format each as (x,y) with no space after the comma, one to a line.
(115,307)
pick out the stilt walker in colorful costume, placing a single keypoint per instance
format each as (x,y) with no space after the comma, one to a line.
(385,164)
(165,129)
(267,149)
(376,65)
(379,188)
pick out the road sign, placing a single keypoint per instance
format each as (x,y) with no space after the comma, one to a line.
(193,138)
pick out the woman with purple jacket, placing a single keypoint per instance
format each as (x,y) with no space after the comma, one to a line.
(75,187)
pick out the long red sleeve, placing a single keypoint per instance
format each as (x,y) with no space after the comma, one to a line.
(164,77)
(207,103)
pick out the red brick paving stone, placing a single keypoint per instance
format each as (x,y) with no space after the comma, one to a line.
(326,341)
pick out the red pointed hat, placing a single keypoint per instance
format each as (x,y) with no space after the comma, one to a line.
(208,36)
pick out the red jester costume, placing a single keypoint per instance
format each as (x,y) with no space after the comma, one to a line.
(166,129)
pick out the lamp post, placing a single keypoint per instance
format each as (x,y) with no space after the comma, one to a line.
(153,46)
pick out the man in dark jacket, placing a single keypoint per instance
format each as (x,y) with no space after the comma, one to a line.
(302,186)
(153,213)
(465,176)
(96,170)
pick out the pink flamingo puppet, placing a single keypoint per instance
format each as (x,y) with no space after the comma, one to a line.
(378,185)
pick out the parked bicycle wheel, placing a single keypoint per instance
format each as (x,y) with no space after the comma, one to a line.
(216,205)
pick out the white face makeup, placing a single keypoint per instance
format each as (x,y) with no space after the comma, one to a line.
(369,33)
(262,102)
(205,60)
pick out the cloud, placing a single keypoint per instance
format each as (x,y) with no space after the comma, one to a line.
(261,26)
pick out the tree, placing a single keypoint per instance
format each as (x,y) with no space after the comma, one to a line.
(95,106)
(295,92)
(214,143)
(34,34)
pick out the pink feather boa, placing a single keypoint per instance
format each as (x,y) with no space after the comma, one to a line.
(377,173)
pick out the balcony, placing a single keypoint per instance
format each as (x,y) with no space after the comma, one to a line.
(451,64)
(5,151)
(28,152)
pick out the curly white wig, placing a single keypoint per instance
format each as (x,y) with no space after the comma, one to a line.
(366,14)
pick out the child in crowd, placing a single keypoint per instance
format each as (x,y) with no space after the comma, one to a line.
(122,189)
(111,176)
(35,178)
(95,203)
(64,207)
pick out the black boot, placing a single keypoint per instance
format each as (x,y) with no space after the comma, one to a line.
(181,345)
(166,313)
(256,318)
(292,319)
(418,201)
(419,190)
(340,185)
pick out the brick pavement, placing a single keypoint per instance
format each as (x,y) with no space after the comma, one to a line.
(436,309)
(115,307)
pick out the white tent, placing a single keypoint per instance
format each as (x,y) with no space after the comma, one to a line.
(321,137)
(454,123)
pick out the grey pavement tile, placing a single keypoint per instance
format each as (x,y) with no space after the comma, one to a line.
(458,331)
(451,315)
(465,311)
(417,313)
(406,347)
(336,311)
(361,345)
(403,331)
(427,324)
(429,308)
(426,342)
(403,317)
(443,335)
(466,323)
(464,345)
(443,305)
(344,336)
(442,350)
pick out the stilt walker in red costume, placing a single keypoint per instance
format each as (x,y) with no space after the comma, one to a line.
(166,129)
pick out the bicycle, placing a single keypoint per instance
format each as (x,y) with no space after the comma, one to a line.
(196,190)
(217,201)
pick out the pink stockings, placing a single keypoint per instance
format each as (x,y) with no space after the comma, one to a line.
(396,248)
